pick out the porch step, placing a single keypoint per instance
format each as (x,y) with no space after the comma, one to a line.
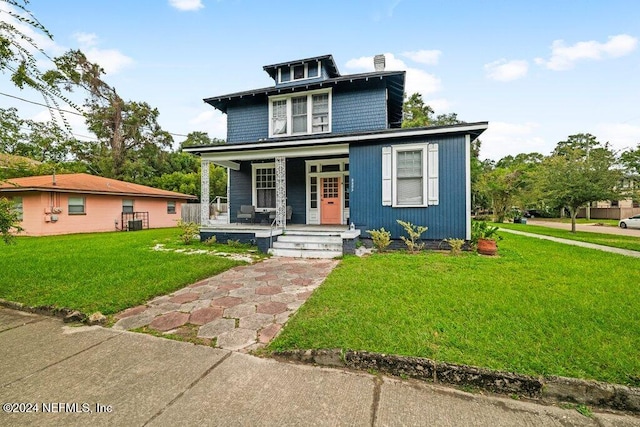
(307,245)
(221,219)
(305,253)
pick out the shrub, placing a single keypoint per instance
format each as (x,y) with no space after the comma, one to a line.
(210,241)
(482,230)
(9,220)
(188,231)
(381,238)
(455,246)
(414,232)
(234,243)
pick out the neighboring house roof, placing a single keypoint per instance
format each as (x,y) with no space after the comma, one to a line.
(328,61)
(395,81)
(88,184)
(473,129)
(9,160)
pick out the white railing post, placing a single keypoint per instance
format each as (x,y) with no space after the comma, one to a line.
(281,192)
(204,192)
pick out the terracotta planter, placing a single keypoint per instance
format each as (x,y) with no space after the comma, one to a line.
(487,247)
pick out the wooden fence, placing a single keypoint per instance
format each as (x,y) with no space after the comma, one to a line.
(191,211)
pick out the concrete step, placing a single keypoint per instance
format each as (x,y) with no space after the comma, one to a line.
(279,244)
(310,238)
(302,253)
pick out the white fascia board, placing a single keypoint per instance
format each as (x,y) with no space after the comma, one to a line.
(338,139)
(236,156)
(224,163)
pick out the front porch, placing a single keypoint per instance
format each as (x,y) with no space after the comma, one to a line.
(296,240)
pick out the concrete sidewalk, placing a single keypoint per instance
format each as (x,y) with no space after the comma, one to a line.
(619,251)
(124,378)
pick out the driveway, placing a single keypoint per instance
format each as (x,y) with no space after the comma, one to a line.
(589,228)
(79,375)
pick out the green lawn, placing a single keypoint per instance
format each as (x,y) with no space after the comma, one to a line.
(104,272)
(623,242)
(540,308)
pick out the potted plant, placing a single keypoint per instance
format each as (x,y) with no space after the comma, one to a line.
(484,237)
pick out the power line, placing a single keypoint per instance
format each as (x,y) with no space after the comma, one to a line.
(67,111)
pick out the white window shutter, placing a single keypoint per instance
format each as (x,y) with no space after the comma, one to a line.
(386,176)
(432,174)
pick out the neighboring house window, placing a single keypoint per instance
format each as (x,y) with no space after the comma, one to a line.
(171,207)
(615,203)
(127,206)
(308,113)
(299,72)
(264,186)
(410,175)
(17,206)
(76,205)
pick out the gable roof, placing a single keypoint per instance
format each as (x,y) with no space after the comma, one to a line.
(88,184)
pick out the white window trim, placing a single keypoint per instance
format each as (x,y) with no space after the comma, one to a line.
(313,214)
(430,178)
(254,189)
(288,98)
(306,73)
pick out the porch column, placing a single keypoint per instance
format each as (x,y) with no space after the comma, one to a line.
(281,192)
(204,192)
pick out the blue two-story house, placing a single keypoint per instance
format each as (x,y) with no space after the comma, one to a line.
(323,149)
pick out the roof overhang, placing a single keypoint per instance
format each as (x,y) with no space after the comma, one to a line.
(322,146)
(328,61)
(19,189)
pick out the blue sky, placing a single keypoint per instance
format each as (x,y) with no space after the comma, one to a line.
(536,71)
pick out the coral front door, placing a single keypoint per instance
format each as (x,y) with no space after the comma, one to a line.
(330,208)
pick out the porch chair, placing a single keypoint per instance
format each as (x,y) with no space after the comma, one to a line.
(272,214)
(247,212)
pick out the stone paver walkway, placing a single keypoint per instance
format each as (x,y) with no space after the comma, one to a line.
(243,308)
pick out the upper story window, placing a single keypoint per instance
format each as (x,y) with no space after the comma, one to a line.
(299,114)
(299,72)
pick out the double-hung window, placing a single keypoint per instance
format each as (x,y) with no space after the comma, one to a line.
(171,207)
(410,175)
(264,185)
(76,206)
(18,207)
(409,178)
(300,114)
(127,205)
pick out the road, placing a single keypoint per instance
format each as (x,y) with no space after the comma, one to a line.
(590,228)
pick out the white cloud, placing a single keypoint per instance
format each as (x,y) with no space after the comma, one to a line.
(428,57)
(186,5)
(111,60)
(564,57)
(502,139)
(211,121)
(621,136)
(506,71)
(439,105)
(417,80)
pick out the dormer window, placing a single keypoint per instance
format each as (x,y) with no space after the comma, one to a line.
(309,70)
(300,113)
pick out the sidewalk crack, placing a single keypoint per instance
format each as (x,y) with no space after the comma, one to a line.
(189,387)
(377,386)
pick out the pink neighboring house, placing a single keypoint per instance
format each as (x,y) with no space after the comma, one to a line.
(82,203)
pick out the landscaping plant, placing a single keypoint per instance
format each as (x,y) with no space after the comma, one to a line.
(188,231)
(9,220)
(414,232)
(455,246)
(381,238)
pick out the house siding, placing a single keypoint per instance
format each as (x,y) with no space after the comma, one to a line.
(445,220)
(361,110)
(247,122)
(239,190)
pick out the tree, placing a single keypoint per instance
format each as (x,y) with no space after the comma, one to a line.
(9,220)
(199,139)
(580,171)
(19,51)
(415,113)
(124,129)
